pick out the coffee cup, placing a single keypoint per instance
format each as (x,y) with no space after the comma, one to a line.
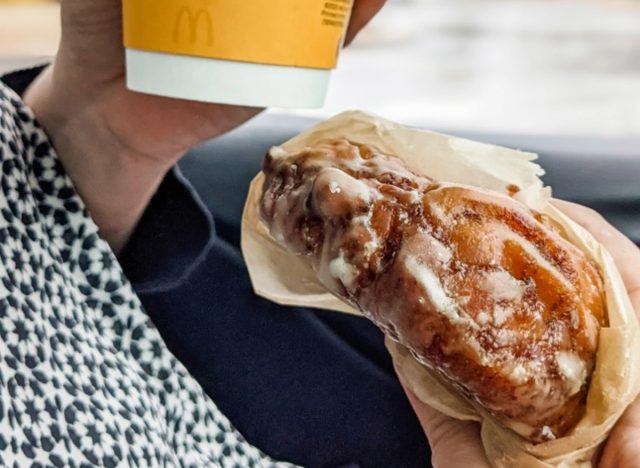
(264,53)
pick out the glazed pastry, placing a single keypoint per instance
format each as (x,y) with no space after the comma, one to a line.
(480,288)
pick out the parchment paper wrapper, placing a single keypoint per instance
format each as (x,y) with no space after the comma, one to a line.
(286,279)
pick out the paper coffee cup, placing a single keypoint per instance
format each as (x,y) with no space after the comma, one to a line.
(245,52)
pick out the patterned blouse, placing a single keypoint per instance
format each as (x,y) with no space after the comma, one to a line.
(85,378)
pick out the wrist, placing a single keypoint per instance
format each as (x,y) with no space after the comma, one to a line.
(114,180)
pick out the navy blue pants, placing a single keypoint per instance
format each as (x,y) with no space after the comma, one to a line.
(312,387)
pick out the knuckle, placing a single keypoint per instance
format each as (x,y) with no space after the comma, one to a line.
(444,432)
(593,216)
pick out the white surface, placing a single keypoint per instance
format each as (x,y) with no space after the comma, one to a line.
(561,67)
(226,82)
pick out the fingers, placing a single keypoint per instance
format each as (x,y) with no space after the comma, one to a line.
(92,37)
(624,252)
(622,450)
(363,11)
(452,442)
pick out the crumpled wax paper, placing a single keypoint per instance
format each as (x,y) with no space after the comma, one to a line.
(287,279)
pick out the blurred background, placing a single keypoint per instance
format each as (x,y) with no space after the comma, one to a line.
(534,67)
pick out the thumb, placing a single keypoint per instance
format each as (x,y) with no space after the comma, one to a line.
(453,442)
(363,12)
(621,449)
(92,34)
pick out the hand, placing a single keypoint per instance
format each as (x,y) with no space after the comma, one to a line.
(457,443)
(453,442)
(622,449)
(115,144)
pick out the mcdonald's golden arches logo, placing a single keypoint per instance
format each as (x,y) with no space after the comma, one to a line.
(275,32)
(193,25)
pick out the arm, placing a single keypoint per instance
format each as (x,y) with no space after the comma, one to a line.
(117,145)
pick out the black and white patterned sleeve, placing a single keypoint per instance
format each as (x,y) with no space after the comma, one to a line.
(85,378)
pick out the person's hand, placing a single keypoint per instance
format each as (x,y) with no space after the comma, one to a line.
(115,144)
(622,449)
(457,443)
(453,442)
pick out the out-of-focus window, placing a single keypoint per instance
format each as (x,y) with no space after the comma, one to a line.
(29,32)
(561,67)
(569,67)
